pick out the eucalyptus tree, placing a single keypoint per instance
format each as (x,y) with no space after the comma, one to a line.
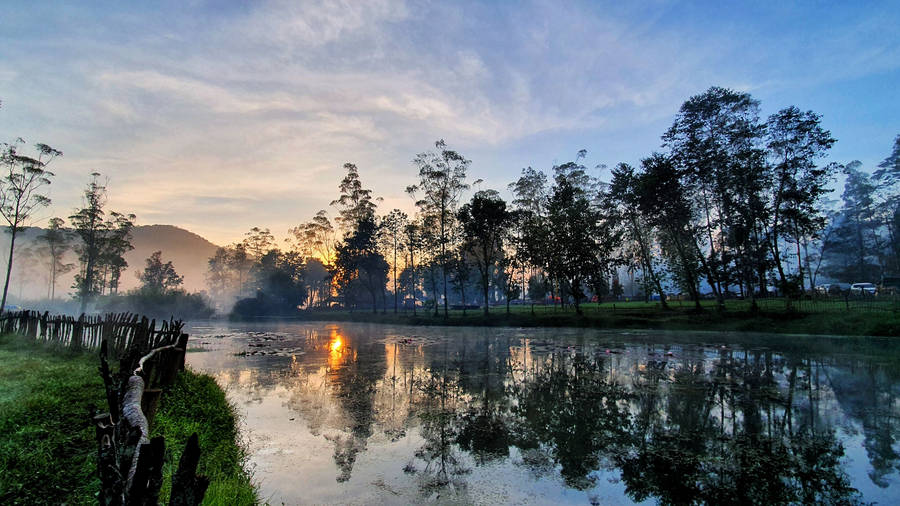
(412,239)
(530,205)
(57,241)
(393,227)
(796,141)
(90,225)
(23,183)
(116,242)
(485,224)
(621,198)
(257,242)
(442,180)
(714,140)
(355,202)
(663,201)
(315,238)
(581,240)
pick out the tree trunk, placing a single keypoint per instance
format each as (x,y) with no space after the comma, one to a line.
(12,245)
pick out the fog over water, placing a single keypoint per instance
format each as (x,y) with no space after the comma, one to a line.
(367,413)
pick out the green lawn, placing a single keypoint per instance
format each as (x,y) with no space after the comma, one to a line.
(47,446)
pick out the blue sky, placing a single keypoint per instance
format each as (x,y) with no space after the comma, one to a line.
(221,116)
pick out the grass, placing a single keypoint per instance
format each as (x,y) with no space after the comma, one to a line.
(807,317)
(195,403)
(47,445)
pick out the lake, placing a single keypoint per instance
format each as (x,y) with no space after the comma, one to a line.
(369,413)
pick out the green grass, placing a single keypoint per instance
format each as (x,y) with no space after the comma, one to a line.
(47,445)
(195,403)
(806,317)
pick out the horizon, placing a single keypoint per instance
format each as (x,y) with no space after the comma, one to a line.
(218,119)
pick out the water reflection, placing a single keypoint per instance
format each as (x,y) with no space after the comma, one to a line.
(572,416)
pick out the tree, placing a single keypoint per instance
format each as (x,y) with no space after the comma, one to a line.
(713,143)
(662,200)
(442,176)
(103,242)
(413,240)
(159,278)
(355,203)
(795,142)
(57,241)
(888,178)
(582,242)
(257,242)
(116,243)
(22,185)
(856,243)
(621,199)
(359,264)
(485,222)
(392,226)
(315,238)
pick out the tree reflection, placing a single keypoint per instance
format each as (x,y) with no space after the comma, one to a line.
(572,409)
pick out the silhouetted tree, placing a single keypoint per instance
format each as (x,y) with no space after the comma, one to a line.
(442,176)
(22,183)
(159,278)
(57,242)
(485,222)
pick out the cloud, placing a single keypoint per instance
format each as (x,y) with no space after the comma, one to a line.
(259,104)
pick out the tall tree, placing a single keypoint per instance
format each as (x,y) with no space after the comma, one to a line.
(57,241)
(796,141)
(315,238)
(359,264)
(22,188)
(888,178)
(663,201)
(355,203)
(714,139)
(117,242)
(485,223)
(412,240)
(442,179)
(622,200)
(89,224)
(392,226)
(582,242)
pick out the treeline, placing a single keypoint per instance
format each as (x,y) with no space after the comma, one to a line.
(731,206)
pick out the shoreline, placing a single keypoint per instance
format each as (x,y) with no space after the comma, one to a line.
(835,323)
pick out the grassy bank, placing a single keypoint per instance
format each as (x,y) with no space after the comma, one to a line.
(47,446)
(808,319)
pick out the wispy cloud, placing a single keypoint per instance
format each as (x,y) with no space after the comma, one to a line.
(225,116)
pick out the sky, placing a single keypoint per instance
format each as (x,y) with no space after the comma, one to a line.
(220,116)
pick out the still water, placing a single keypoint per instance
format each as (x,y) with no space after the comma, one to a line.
(367,413)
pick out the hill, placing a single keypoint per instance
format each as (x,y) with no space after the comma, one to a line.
(188,252)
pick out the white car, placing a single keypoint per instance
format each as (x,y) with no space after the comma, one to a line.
(863,289)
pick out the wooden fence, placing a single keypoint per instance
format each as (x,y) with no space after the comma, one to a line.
(124,332)
(130,463)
